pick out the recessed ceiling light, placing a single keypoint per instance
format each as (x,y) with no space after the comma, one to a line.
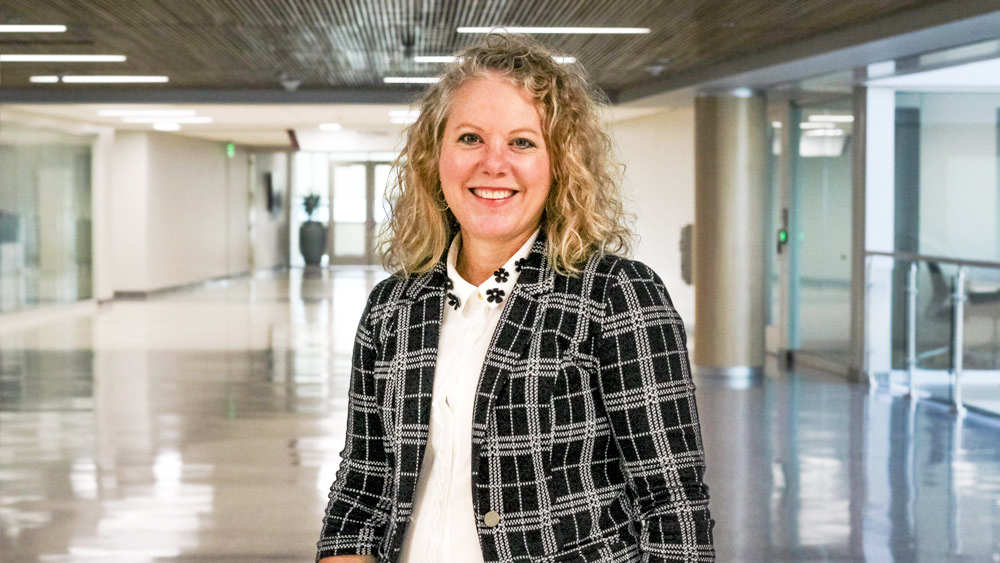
(113,79)
(47,79)
(32,28)
(9,58)
(330,127)
(160,119)
(146,112)
(166,126)
(555,30)
(832,118)
(411,79)
(403,116)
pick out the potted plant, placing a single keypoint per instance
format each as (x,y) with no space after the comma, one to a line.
(312,234)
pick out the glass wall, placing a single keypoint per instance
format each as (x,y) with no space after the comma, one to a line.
(948,161)
(45,217)
(947,210)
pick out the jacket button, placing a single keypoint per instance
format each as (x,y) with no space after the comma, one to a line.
(491,518)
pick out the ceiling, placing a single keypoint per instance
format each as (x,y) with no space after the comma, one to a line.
(365,127)
(353,44)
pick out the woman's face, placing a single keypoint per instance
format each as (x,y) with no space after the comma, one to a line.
(494,164)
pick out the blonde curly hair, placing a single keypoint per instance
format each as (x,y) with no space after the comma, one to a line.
(583,213)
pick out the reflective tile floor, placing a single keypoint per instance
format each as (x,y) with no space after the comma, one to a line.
(205,425)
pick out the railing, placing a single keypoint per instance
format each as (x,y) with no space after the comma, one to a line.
(951,300)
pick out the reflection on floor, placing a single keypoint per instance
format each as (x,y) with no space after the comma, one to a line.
(205,426)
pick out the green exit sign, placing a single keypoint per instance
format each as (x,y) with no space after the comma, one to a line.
(230,150)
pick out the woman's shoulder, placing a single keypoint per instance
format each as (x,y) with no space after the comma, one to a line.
(617,266)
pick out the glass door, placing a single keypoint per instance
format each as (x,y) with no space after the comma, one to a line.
(358,210)
(776,226)
(819,296)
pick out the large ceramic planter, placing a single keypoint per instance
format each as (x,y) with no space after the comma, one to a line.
(312,242)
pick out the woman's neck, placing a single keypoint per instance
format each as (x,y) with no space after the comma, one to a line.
(478,259)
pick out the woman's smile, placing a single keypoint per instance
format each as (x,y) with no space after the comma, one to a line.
(493,194)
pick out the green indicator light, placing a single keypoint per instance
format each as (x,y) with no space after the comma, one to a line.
(230,150)
(782,235)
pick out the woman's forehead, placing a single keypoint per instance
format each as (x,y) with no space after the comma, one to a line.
(493,98)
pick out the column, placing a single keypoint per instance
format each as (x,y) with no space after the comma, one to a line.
(729,238)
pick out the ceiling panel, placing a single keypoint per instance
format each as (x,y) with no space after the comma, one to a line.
(336,44)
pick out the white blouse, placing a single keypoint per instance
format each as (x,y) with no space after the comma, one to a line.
(443,526)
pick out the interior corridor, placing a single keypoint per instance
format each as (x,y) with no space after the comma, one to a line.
(205,425)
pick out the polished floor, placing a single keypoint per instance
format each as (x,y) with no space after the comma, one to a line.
(205,425)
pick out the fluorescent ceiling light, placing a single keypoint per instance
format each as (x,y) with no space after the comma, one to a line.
(556,30)
(776,124)
(146,112)
(32,28)
(198,119)
(47,79)
(452,58)
(330,126)
(166,126)
(832,118)
(114,79)
(817,125)
(411,79)
(402,120)
(9,58)
(825,133)
(434,58)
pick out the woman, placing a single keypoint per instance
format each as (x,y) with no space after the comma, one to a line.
(518,391)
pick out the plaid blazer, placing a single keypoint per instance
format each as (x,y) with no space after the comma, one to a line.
(585,440)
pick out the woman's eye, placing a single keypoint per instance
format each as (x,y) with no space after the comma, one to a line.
(523,143)
(468,138)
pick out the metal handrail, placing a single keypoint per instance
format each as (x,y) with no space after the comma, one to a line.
(958,298)
(912,257)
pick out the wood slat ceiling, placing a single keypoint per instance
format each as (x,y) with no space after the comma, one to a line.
(252,44)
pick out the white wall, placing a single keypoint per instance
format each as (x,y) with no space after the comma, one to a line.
(187,210)
(658,153)
(127,203)
(269,232)
(179,209)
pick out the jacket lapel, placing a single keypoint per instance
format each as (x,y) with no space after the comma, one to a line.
(418,329)
(511,339)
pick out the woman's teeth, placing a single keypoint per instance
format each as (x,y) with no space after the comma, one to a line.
(493,194)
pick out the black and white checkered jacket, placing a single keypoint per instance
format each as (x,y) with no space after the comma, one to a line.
(586,444)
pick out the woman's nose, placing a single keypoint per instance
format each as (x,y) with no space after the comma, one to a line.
(495,159)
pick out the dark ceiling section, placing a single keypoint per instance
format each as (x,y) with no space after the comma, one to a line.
(253,44)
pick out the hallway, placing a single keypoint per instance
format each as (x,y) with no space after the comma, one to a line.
(205,425)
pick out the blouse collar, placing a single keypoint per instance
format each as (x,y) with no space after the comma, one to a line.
(496,288)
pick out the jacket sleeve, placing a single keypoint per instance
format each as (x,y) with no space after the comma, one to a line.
(358,510)
(645,380)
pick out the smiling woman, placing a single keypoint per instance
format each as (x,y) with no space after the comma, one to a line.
(579,440)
